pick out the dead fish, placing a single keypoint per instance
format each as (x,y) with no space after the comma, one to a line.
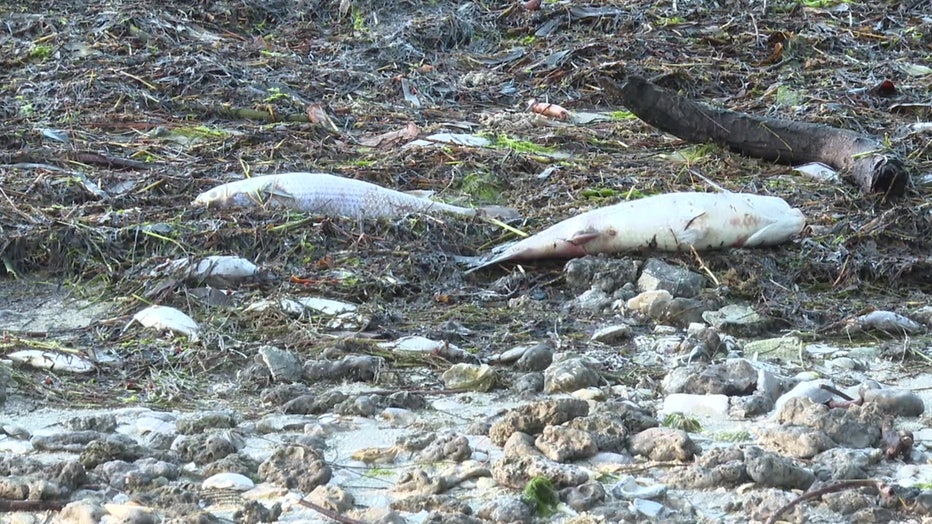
(668,222)
(327,194)
(167,318)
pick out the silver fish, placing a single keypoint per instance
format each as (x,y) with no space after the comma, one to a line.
(669,222)
(323,194)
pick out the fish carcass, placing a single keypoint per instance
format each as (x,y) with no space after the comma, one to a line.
(668,222)
(324,194)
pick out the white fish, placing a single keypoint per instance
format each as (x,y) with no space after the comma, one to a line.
(52,360)
(167,318)
(324,194)
(668,222)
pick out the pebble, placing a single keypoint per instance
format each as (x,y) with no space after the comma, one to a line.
(738,320)
(612,334)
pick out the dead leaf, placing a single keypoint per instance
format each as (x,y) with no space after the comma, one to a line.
(410,132)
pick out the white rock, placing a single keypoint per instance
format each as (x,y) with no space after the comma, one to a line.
(643,302)
(227,480)
(648,508)
(699,406)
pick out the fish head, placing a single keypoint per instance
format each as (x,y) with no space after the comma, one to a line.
(215,197)
(773,228)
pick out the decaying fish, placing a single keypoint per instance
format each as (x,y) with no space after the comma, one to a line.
(669,222)
(328,195)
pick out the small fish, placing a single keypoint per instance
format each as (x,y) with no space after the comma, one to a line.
(327,194)
(669,222)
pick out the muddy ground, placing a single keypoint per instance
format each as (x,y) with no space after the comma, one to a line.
(117,114)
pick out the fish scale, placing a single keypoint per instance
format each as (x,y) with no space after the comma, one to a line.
(325,194)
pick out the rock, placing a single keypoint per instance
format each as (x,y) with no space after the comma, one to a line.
(204,448)
(333,498)
(230,481)
(508,508)
(583,497)
(81,512)
(699,406)
(515,472)
(104,423)
(923,503)
(750,406)
(4,381)
(735,377)
(562,444)
(652,304)
(312,404)
(795,441)
(536,358)
(528,383)
(663,444)
(679,281)
(254,511)
(895,402)
(295,467)
(282,364)
(141,473)
(605,274)
(571,374)
(786,348)
(200,422)
(634,418)
(113,447)
(615,512)
(737,320)
(856,426)
(451,447)
(520,445)
(591,300)
(842,463)
(532,418)
(608,432)
(628,488)
(472,377)
(649,508)
(772,470)
(360,368)
(611,334)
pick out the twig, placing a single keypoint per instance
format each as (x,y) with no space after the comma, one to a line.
(704,267)
(843,485)
(330,514)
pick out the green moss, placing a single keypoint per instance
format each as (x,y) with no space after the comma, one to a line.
(519,146)
(681,421)
(41,52)
(622,115)
(540,493)
(733,436)
(481,186)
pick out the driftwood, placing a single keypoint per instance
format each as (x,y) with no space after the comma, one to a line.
(860,159)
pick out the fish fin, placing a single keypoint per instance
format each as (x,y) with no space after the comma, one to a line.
(273,193)
(581,238)
(775,233)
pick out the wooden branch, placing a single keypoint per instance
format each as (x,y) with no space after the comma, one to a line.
(860,159)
